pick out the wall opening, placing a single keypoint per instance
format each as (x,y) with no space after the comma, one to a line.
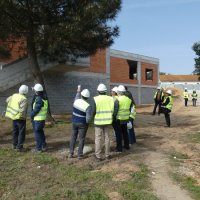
(132,69)
(149,74)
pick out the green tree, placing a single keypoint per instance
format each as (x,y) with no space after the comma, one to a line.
(196,49)
(58,29)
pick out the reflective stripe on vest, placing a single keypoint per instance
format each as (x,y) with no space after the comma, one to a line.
(79,111)
(170,104)
(12,110)
(104,110)
(186,95)
(124,108)
(42,114)
(133,114)
(194,95)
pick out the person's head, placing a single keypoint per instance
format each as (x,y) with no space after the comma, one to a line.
(169,92)
(194,91)
(38,88)
(23,89)
(158,88)
(102,89)
(186,89)
(85,94)
(114,91)
(121,90)
(126,88)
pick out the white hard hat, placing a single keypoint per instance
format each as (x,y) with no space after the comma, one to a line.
(185,88)
(38,88)
(169,92)
(23,89)
(85,93)
(158,88)
(121,88)
(101,88)
(114,89)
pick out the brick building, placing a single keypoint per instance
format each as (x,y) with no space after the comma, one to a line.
(112,67)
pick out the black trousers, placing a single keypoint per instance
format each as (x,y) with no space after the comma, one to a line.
(166,112)
(186,101)
(157,104)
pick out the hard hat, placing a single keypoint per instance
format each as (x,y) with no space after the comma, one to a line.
(23,89)
(101,88)
(85,93)
(114,89)
(38,88)
(194,90)
(158,88)
(121,88)
(169,92)
(185,88)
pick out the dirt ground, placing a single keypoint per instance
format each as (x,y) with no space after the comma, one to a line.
(156,146)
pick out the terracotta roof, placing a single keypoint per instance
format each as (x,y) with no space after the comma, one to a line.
(178,78)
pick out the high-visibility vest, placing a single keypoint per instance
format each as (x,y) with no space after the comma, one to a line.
(194,95)
(185,95)
(124,108)
(133,114)
(42,114)
(170,104)
(79,111)
(161,95)
(104,110)
(13,109)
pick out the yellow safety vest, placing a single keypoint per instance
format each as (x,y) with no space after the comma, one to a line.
(194,95)
(133,115)
(124,108)
(42,114)
(170,104)
(13,108)
(104,110)
(161,95)
(186,95)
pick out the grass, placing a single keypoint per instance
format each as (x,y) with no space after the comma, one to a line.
(194,138)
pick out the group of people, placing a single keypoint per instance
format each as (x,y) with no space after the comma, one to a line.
(193,95)
(107,111)
(16,110)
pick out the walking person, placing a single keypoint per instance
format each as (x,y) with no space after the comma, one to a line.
(38,117)
(103,112)
(17,106)
(158,97)
(81,117)
(186,96)
(166,107)
(194,98)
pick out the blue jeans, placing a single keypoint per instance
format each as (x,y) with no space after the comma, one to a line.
(78,129)
(40,138)
(131,133)
(19,129)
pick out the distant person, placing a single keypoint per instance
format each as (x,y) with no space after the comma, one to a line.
(158,98)
(17,106)
(186,96)
(194,98)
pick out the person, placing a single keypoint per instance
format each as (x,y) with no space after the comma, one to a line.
(194,97)
(186,96)
(158,98)
(103,112)
(166,106)
(125,105)
(129,95)
(81,117)
(17,106)
(38,117)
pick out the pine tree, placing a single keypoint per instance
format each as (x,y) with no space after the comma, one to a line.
(196,49)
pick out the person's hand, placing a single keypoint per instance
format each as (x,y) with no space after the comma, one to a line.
(79,88)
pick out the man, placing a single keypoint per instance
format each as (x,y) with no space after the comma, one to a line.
(166,107)
(158,97)
(103,111)
(125,105)
(194,98)
(38,116)
(17,105)
(81,117)
(186,96)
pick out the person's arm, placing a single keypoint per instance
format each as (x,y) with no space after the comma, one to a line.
(38,105)
(166,102)
(78,96)
(88,114)
(8,99)
(93,108)
(23,106)
(116,108)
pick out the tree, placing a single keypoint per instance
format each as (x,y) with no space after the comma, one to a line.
(57,29)
(196,49)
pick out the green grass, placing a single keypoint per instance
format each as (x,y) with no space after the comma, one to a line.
(194,138)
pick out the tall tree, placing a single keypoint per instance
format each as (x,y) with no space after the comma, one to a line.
(57,29)
(196,49)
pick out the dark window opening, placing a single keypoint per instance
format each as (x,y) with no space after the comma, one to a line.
(149,74)
(132,69)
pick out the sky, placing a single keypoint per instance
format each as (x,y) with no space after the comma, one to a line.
(164,29)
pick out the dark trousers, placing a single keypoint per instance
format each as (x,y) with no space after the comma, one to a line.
(38,127)
(131,133)
(81,130)
(186,101)
(157,104)
(122,133)
(19,131)
(194,102)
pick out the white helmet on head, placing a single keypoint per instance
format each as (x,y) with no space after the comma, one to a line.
(121,88)
(85,93)
(185,88)
(23,89)
(169,92)
(38,87)
(114,89)
(158,88)
(101,88)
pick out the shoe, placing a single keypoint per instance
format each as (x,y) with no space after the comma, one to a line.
(98,159)
(14,147)
(80,157)
(36,151)
(71,156)
(44,149)
(117,150)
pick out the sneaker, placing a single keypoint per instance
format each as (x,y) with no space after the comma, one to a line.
(36,151)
